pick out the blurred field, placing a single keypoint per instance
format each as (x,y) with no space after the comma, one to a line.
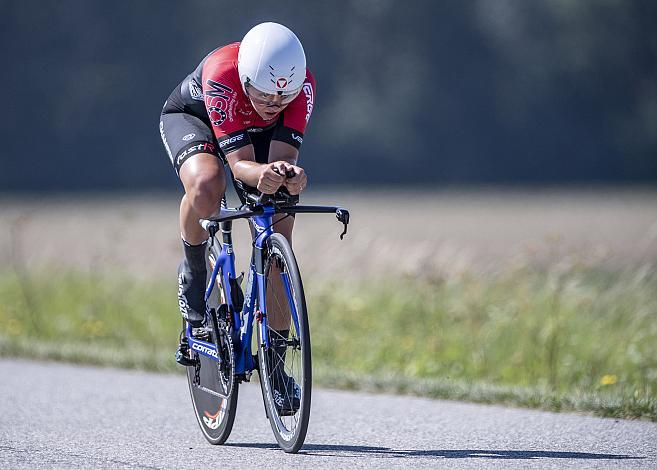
(392,233)
(544,299)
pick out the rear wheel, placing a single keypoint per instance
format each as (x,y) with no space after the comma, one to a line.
(285,368)
(215,414)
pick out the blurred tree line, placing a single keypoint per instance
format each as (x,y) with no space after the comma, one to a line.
(433,93)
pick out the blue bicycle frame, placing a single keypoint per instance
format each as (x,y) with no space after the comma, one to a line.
(243,317)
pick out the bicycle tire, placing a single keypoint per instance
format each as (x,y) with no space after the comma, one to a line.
(290,431)
(215,415)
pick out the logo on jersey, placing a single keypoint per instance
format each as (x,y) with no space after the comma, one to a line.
(281,82)
(310,99)
(217,115)
(195,90)
(218,90)
(189,137)
(298,138)
(219,101)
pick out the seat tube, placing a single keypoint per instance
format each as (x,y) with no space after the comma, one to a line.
(229,266)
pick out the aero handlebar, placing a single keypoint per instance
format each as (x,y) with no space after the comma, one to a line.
(281,202)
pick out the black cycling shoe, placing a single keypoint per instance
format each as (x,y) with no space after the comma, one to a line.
(287,395)
(191,294)
(182,353)
(285,391)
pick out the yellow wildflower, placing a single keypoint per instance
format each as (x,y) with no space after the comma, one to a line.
(608,379)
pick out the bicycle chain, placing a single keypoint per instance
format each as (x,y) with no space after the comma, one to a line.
(197,372)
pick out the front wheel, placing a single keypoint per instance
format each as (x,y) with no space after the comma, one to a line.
(285,367)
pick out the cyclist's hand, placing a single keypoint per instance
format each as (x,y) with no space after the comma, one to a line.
(297,183)
(272,177)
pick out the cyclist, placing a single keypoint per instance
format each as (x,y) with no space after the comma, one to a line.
(247,105)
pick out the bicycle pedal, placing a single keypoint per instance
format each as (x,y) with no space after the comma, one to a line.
(183,358)
(201,333)
(246,377)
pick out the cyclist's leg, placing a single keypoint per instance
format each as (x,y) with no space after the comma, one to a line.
(193,152)
(204,180)
(277,311)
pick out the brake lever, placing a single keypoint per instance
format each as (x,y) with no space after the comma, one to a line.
(343,216)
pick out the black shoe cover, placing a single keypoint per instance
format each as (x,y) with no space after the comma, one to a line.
(286,392)
(191,293)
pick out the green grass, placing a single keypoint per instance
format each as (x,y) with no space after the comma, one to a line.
(563,338)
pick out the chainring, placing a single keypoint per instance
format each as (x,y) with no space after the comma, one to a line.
(226,354)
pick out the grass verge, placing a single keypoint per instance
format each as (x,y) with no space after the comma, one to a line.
(564,338)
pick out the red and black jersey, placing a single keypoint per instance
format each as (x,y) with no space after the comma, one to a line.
(213,93)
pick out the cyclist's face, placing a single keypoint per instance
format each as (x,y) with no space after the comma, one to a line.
(267,105)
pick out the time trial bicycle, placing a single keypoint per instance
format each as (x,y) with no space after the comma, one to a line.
(222,359)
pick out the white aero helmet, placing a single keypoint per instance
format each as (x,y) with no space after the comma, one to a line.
(271,59)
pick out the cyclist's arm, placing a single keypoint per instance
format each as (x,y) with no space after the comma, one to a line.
(245,168)
(266,177)
(280,151)
(243,165)
(284,152)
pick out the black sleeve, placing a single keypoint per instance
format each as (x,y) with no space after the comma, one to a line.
(287,135)
(231,142)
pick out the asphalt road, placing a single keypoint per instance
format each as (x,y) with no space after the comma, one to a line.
(62,416)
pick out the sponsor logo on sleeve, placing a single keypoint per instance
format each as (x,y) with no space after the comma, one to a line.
(298,138)
(310,99)
(232,140)
(188,137)
(195,90)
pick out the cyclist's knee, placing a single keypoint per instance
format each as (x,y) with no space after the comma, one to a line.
(205,194)
(204,180)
